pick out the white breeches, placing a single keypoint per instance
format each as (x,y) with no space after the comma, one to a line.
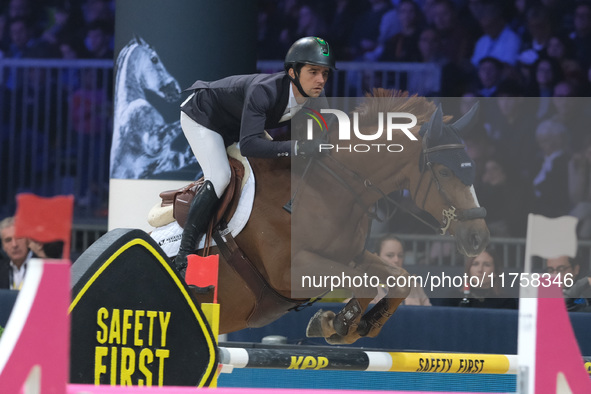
(208,147)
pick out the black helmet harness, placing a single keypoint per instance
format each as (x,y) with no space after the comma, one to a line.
(307,50)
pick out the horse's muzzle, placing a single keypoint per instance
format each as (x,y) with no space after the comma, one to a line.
(171,91)
(472,237)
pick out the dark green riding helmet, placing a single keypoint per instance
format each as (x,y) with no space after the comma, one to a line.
(310,50)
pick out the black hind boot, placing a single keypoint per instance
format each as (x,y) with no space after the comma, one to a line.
(198,219)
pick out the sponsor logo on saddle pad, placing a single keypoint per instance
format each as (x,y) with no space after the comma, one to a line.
(134,321)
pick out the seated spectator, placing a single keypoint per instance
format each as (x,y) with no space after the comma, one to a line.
(547,73)
(578,296)
(564,271)
(31,11)
(12,270)
(429,47)
(581,36)
(391,251)
(98,41)
(450,79)
(480,148)
(505,197)
(561,48)
(403,47)
(571,111)
(484,288)
(490,72)
(498,40)
(551,182)
(579,188)
(23,43)
(510,123)
(539,31)
(67,26)
(455,41)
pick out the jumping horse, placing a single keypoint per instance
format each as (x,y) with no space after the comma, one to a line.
(330,215)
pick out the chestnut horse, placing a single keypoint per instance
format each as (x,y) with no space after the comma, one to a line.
(329,223)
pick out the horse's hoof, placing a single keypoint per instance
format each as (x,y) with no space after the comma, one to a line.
(319,324)
(363,328)
(314,329)
(336,339)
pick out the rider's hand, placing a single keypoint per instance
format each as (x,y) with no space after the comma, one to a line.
(308,148)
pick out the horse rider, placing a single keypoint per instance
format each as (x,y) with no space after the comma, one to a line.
(239,109)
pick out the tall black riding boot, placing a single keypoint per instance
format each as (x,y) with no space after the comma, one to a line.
(198,218)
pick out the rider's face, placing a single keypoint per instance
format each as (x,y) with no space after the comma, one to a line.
(312,78)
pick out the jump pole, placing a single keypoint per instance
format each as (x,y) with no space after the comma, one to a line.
(355,359)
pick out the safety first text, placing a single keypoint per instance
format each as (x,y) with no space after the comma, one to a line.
(132,346)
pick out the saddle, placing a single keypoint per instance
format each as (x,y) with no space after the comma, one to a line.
(181,199)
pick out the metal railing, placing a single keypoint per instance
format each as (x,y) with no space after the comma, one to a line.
(55,130)
(355,79)
(435,250)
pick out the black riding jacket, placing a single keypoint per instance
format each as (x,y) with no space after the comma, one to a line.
(241,107)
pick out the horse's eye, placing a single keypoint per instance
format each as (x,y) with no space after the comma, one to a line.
(154,59)
(444,172)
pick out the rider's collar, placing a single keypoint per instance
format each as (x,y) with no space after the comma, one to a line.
(292,103)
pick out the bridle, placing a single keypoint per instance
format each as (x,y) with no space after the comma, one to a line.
(449,214)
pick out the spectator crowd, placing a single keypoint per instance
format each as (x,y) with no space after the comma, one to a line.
(68,29)
(527,62)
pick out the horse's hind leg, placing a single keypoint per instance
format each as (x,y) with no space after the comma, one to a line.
(372,322)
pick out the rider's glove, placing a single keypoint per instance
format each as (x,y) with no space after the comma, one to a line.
(308,148)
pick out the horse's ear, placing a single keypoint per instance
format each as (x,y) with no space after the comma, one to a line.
(435,125)
(467,121)
(138,39)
